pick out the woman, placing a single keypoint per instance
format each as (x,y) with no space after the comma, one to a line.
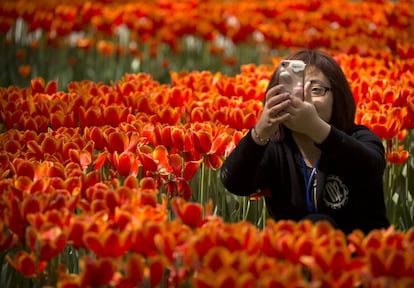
(316,162)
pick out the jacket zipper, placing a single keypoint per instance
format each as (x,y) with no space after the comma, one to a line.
(314,188)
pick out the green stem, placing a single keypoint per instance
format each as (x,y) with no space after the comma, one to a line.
(246,207)
(264,214)
(202,172)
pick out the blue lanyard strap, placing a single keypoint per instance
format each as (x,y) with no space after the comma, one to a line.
(308,182)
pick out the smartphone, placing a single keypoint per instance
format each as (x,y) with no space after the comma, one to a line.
(292,73)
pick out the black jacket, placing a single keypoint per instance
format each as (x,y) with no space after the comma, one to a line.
(349,179)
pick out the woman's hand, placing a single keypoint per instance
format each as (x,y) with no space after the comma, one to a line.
(274,113)
(303,117)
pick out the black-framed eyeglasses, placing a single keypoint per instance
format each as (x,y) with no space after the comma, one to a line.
(319,90)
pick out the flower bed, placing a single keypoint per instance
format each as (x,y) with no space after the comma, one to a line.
(113,181)
(105,180)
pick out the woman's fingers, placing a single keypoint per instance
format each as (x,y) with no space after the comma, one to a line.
(276,100)
(308,92)
(275,90)
(298,92)
(279,109)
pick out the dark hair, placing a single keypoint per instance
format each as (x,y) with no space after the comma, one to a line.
(344,107)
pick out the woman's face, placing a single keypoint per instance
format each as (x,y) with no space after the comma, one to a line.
(320,91)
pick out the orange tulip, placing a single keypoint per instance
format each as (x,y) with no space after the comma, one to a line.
(179,96)
(96,272)
(89,117)
(335,268)
(12,146)
(50,145)
(156,269)
(126,163)
(5,164)
(178,187)
(7,240)
(399,156)
(26,263)
(120,142)
(176,163)
(134,272)
(38,85)
(58,215)
(201,140)
(62,119)
(218,270)
(108,243)
(47,242)
(149,165)
(168,243)
(145,234)
(38,123)
(25,168)
(165,136)
(405,50)
(84,43)
(105,48)
(49,169)
(190,213)
(18,209)
(148,184)
(410,114)
(161,156)
(6,24)
(20,54)
(114,115)
(386,127)
(12,120)
(169,115)
(78,227)
(261,193)
(395,264)
(96,134)
(190,169)
(25,70)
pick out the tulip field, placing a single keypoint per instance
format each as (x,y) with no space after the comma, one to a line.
(116,116)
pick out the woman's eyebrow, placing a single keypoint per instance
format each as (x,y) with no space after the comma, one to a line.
(316,81)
